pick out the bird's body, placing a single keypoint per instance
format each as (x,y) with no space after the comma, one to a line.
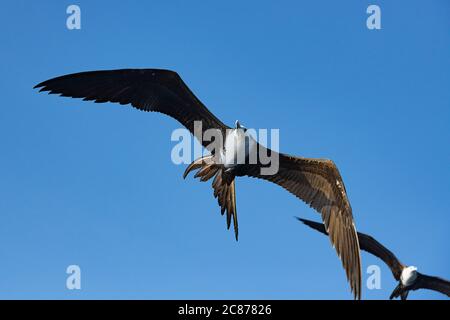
(315,181)
(407,276)
(237,148)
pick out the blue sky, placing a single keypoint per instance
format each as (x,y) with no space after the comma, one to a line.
(93,185)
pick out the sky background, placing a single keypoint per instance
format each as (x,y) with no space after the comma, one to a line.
(94,185)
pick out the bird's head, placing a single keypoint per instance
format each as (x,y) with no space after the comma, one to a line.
(411,268)
(239,126)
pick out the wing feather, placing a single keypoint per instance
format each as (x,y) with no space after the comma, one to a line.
(145,89)
(432,283)
(368,244)
(318,183)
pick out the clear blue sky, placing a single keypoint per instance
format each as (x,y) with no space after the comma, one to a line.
(93,185)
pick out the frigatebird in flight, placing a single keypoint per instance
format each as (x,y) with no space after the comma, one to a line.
(409,279)
(315,181)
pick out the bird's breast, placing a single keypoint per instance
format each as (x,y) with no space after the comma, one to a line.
(237,147)
(408,276)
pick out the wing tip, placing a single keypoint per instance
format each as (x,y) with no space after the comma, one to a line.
(41,86)
(304,221)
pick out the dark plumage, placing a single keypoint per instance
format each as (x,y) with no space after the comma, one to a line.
(315,181)
(369,244)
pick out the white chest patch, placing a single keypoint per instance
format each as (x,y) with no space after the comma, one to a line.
(408,276)
(238,145)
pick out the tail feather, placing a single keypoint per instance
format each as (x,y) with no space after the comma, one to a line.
(228,207)
(404,295)
(233,205)
(399,291)
(227,202)
(223,185)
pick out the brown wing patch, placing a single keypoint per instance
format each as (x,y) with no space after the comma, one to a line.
(318,183)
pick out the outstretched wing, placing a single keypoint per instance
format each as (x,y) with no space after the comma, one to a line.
(369,244)
(318,183)
(145,89)
(432,283)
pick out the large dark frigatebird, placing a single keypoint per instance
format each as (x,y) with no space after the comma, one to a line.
(315,181)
